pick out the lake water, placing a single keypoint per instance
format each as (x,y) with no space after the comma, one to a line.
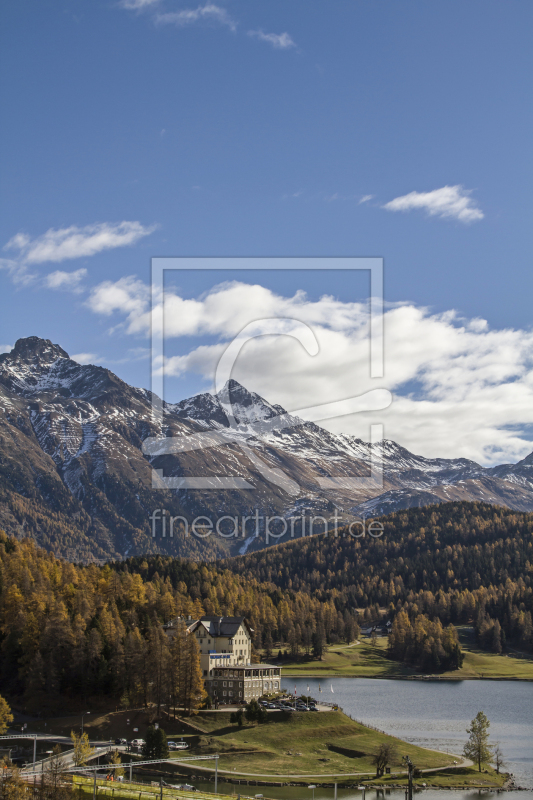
(431,714)
(435,714)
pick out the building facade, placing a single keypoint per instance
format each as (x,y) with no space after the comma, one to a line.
(225,645)
(240,684)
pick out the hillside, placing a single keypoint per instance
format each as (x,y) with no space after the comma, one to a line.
(91,631)
(95,632)
(83,464)
(458,562)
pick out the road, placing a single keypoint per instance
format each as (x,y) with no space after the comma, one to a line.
(67,756)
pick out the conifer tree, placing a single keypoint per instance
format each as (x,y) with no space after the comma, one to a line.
(192,688)
(477,747)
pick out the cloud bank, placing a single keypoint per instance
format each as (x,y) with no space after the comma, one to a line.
(63,244)
(460,388)
(66,243)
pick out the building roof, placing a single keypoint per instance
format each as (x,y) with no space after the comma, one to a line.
(219,626)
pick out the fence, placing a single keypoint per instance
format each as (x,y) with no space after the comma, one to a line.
(136,790)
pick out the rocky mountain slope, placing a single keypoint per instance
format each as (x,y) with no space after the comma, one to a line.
(83,464)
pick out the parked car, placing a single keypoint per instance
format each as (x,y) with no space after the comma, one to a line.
(177,745)
(186,787)
(121,741)
(137,742)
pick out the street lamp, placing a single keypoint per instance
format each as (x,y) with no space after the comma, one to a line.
(82,716)
(313,787)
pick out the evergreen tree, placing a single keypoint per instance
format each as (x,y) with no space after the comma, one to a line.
(268,644)
(149,746)
(318,641)
(160,744)
(477,747)
(254,712)
(237,717)
(192,689)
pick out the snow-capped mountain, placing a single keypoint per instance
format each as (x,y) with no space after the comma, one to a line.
(83,464)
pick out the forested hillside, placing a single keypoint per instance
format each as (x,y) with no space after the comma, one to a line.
(88,631)
(91,631)
(456,562)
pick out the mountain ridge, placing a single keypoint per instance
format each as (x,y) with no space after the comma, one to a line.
(74,475)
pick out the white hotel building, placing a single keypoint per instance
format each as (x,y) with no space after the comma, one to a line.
(225,645)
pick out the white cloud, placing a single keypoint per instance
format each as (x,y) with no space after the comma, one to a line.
(69,281)
(461,389)
(365,198)
(128,296)
(138,5)
(188,16)
(85,358)
(449,202)
(75,242)
(18,272)
(281,41)
(6,348)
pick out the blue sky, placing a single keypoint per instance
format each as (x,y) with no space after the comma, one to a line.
(136,129)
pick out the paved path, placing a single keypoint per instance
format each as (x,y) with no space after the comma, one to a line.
(67,756)
(461,762)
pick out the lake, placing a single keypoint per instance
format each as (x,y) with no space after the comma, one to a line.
(436,714)
(432,714)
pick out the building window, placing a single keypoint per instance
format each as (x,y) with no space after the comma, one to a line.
(225,684)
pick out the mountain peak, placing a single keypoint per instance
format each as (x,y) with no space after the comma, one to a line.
(25,369)
(34,348)
(247,407)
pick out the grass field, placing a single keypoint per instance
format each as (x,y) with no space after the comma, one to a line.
(132,791)
(468,777)
(328,743)
(363,660)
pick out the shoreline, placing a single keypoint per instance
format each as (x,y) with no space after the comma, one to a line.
(428,679)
